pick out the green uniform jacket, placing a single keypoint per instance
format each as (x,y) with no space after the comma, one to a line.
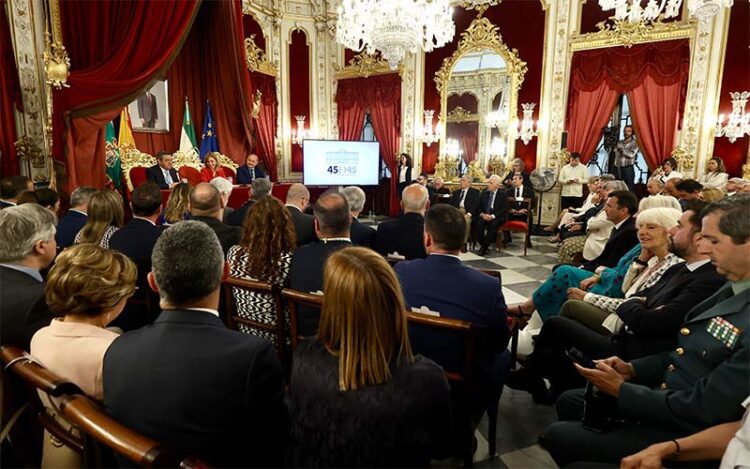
(705,379)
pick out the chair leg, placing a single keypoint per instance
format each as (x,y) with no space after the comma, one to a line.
(526,240)
(492,423)
(500,241)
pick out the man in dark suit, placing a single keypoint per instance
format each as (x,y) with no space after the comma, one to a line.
(701,383)
(466,199)
(205,206)
(136,240)
(162,173)
(443,284)
(297,200)
(260,188)
(441,193)
(362,235)
(493,207)
(332,221)
(27,245)
(250,171)
(517,209)
(405,235)
(11,187)
(75,218)
(620,207)
(189,382)
(148,110)
(652,319)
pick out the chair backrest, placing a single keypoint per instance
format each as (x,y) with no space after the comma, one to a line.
(134,165)
(493,273)
(295,299)
(439,332)
(277,328)
(230,167)
(126,442)
(192,175)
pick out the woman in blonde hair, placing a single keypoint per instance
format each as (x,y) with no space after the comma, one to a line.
(212,169)
(86,289)
(105,215)
(177,205)
(358,397)
(711,194)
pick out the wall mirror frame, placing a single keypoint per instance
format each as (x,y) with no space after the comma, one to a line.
(481,36)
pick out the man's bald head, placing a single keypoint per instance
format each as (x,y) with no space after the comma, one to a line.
(332,216)
(414,199)
(205,200)
(298,196)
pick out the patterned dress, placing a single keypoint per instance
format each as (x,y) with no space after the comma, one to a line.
(105,239)
(259,307)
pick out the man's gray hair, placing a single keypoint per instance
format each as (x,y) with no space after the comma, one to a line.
(355,196)
(222,185)
(606,177)
(261,188)
(415,201)
(81,196)
(21,227)
(657,180)
(495,177)
(187,262)
(615,186)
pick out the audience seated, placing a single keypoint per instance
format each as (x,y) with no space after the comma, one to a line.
(176,209)
(443,284)
(466,199)
(711,194)
(27,245)
(27,197)
(86,289)
(250,171)
(361,235)
(188,381)
(517,167)
(572,177)
(263,253)
(104,217)
(548,298)
(162,173)
(404,235)
(716,175)
(205,207)
(440,192)
(672,394)
(297,200)
(75,218)
(654,186)
(212,170)
(11,187)
(670,187)
(687,190)
(260,188)
(136,240)
(48,198)
(577,226)
(332,221)
(668,170)
(225,190)
(735,185)
(517,209)
(422,180)
(493,208)
(358,396)
(567,215)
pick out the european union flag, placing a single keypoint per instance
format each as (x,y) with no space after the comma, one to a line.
(209,140)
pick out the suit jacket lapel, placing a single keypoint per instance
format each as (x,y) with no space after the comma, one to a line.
(714,306)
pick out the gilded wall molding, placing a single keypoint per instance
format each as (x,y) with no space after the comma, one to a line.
(627,34)
(459,115)
(255,58)
(365,65)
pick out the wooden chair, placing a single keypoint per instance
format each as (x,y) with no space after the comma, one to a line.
(277,328)
(517,226)
(134,165)
(460,372)
(294,300)
(188,166)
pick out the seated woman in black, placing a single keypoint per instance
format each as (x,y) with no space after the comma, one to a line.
(358,397)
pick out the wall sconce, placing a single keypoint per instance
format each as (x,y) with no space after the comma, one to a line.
(300,134)
(430,134)
(738,123)
(527,131)
(453,149)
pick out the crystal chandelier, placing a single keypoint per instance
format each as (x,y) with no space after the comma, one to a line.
(738,124)
(634,11)
(430,135)
(526,131)
(497,119)
(453,149)
(497,148)
(394,27)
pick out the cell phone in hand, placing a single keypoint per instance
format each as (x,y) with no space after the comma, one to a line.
(579,357)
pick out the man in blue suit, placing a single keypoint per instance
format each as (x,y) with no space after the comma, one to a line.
(250,171)
(443,284)
(74,219)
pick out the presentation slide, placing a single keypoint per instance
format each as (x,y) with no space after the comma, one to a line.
(340,163)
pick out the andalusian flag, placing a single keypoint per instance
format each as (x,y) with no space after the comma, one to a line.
(114,167)
(126,130)
(188,141)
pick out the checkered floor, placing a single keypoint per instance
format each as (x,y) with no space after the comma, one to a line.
(521,275)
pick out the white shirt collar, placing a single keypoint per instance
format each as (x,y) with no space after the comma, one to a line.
(292,206)
(617,226)
(444,254)
(77,211)
(144,219)
(697,264)
(205,310)
(9,202)
(27,270)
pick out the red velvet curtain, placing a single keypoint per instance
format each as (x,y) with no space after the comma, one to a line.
(655,118)
(658,70)
(467,134)
(299,88)
(10,99)
(265,123)
(381,95)
(116,50)
(210,66)
(589,111)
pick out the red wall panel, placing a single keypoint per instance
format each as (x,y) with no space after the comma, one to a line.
(299,88)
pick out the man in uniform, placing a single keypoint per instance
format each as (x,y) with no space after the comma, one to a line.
(672,394)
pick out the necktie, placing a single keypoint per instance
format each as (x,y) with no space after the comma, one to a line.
(252,173)
(463,197)
(490,202)
(167,177)
(518,192)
